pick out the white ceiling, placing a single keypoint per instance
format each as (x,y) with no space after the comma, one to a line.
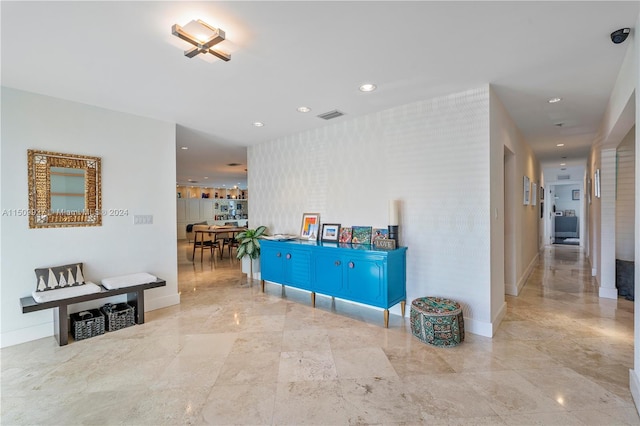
(122,56)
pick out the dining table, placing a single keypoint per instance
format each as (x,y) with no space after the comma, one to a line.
(233,230)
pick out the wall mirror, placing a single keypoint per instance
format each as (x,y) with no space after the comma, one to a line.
(64,190)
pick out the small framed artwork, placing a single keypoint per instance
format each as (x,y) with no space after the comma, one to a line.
(575,194)
(379,234)
(534,193)
(361,235)
(526,187)
(330,232)
(345,234)
(310,226)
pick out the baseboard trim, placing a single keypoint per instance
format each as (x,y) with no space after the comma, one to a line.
(16,337)
(608,293)
(514,289)
(634,386)
(480,328)
(498,319)
(161,302)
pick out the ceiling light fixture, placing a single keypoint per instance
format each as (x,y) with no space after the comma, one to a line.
(258,124)
(554,100)
(304,109)
(203,36)
(563,164)
(184,147)
(368,87)
(559,144)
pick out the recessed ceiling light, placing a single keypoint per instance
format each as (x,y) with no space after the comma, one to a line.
(304,109)
(206,177)
(563,164)
(368,87)
(258,124)
(554,100)
(184,147)
(559,144)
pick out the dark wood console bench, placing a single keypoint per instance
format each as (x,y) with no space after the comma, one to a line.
(135,298)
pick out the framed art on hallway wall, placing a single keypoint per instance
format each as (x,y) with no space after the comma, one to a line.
(526,187)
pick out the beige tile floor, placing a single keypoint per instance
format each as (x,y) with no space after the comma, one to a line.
(229,354)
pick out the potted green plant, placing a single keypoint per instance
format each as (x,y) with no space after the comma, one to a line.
(249,248)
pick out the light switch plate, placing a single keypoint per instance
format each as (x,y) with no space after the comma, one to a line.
(143,219)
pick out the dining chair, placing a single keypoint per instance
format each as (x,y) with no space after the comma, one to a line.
(204,241)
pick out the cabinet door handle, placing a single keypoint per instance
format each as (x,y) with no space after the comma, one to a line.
(352,265)
(278,254)
(288,255)
(337,263)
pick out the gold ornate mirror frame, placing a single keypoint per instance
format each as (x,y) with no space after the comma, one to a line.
(41,214)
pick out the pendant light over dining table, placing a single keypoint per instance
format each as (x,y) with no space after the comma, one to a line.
(203,37)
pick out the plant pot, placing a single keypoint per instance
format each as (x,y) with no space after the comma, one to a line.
(246,267)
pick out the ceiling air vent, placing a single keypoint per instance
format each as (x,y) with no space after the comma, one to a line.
(564,177)
(331,114)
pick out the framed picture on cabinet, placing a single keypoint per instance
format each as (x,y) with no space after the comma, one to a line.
(379,234)
(310,226)
(330,232)
(361,235)
(345,234)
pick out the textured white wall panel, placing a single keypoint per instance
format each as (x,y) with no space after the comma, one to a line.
(432,155)
(625,198)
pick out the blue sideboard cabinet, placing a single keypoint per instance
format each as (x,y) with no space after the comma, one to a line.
(359,273)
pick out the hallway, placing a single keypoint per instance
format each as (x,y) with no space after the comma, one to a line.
(229,354)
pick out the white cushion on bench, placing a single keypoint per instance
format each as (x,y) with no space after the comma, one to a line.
(65,292)
(128,280)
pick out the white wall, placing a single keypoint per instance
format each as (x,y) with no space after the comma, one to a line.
(138,174)
(526,218)
(625,198)
(433,155)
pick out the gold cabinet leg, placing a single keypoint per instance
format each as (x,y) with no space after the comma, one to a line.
(262,282)
(313,299)
(386,318)
(402,304)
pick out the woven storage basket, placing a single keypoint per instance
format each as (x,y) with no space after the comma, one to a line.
(119,315)
(87,324)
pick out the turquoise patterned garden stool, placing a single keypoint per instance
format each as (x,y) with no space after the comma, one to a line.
(437,321)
